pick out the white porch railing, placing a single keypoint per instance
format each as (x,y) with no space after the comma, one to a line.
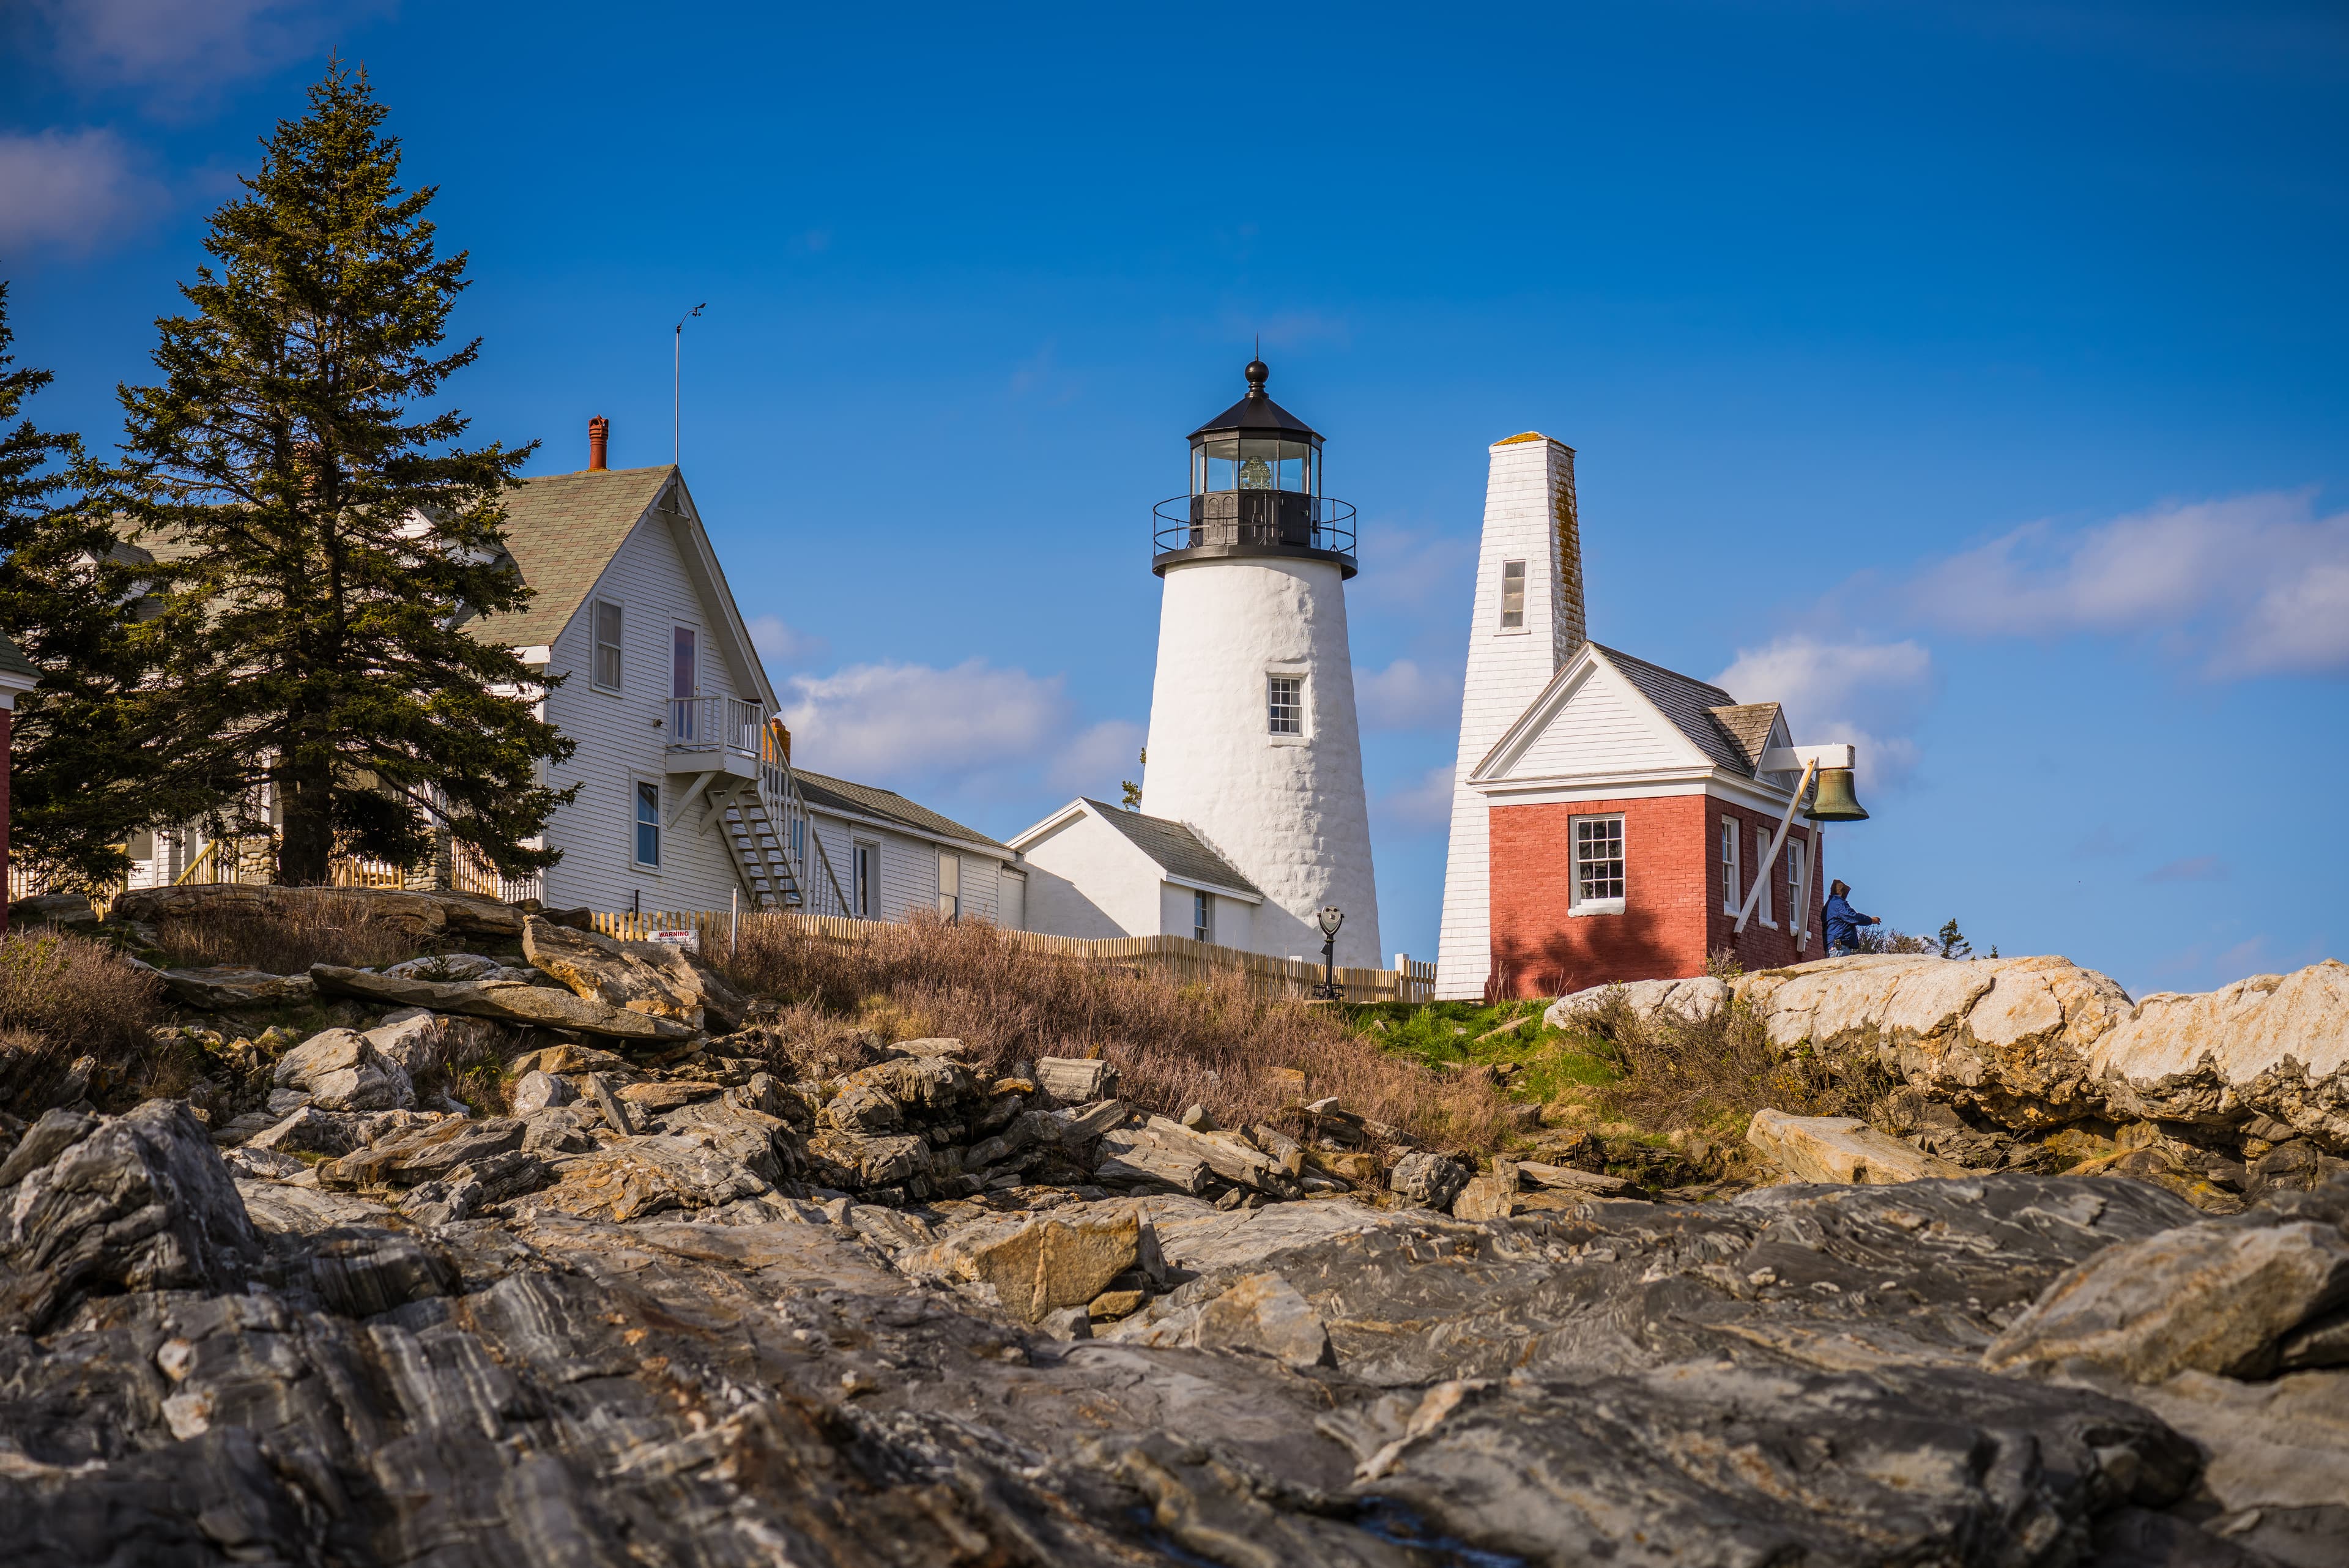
(715,724)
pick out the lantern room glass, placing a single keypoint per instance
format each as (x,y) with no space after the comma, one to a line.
(1255,464)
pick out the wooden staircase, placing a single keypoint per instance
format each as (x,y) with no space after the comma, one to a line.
(762,855)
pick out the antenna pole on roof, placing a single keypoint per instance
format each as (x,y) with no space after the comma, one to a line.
(677,385)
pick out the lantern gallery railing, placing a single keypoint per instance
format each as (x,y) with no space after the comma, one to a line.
(1262,518)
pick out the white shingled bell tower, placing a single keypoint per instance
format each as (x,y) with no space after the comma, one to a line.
(1253,739)
(1527,624)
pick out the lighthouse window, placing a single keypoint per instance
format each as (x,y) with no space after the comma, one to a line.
(1513,595)
(1223,465)
(1287,703)
(1257,460)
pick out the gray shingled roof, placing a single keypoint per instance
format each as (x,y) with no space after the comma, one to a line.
(1748,727)
(1179,851)
(839,794)
(562,530)
(13,660)
(1688,703)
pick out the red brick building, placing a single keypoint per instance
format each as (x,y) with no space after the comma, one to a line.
(1629,811)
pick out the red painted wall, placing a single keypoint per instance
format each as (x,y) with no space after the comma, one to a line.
(1671,916)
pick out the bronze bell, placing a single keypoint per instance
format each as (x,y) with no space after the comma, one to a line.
(1834,800)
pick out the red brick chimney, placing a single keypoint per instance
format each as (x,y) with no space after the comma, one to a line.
(599,434)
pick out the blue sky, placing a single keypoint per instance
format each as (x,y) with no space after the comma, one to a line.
(1968,377)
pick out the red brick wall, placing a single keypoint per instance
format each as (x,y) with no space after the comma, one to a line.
(1671,916)
(1760,947)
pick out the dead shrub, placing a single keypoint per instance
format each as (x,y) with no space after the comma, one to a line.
(292,929)
(465,1057)
(65,997)
(1215,1045)
(1717,1070)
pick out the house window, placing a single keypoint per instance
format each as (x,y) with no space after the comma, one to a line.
(1762,875)
(798,841)
(949,885)
(1203,917)
(1729,878)
(648,825)
(1285,703)
(867,872)
(1513,596)
(1597,865)
(607,645)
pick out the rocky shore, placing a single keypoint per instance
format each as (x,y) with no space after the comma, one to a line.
(677,1302)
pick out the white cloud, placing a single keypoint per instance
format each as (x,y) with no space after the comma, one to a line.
(1099,758)
(2254,585)
(70,189)
(182,48)
(883,721)
(1424,803)
(1868,693)
(1415,570)
(1403,696)
(773,638)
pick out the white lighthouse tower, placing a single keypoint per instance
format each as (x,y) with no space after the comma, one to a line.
(1253,739)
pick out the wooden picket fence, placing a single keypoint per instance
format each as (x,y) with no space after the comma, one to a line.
(1179,958)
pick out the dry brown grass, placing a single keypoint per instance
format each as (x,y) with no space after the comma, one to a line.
(65,997)
(1713,1073)
(288,934)
(1174,1047)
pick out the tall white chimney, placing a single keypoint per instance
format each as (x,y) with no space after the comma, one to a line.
(1526,622)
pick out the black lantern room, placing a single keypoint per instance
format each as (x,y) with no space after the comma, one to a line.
(1255,491)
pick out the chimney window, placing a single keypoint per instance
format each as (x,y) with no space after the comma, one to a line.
(607,645)
(1513,596)
(1285,704)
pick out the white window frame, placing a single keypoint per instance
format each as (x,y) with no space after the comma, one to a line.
(1203,916)
(1764,910)
(1798,867)
(1304,707)
(1577,903)
(596,645)
(1503,626)
(1732,834)
(949,896)
(638,784)
(864,878)
(678,623)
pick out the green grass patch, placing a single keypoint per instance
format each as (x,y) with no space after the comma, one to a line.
(1542,1063)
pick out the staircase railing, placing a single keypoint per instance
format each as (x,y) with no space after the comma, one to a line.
(787,808)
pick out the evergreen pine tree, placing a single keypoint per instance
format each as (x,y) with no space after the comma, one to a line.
(322,541)
(1953,942)
(74,794)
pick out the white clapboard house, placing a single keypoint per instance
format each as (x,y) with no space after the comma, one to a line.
(688,798)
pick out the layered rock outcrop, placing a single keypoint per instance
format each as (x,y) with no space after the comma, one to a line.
(2032,1045)
(1822,1374)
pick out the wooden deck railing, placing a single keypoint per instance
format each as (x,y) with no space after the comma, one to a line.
(1179,958)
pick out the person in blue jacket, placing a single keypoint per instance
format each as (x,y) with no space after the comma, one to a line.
(1843,922)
